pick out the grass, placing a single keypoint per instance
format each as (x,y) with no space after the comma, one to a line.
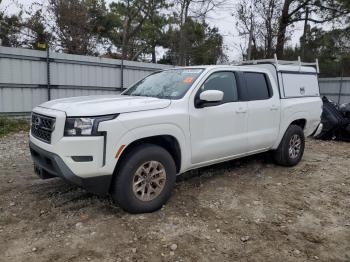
(12,125)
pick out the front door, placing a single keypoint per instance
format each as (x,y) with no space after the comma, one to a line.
(218,131)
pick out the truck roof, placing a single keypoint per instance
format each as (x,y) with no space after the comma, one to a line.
(272,65)
(269,66)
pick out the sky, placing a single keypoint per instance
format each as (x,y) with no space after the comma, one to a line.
(221,18)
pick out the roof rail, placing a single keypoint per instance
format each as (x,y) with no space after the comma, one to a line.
(277,62)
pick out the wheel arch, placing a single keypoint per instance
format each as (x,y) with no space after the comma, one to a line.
(299,122)
(169,142)
(299,119)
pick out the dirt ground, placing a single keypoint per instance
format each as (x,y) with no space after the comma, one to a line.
(245,210)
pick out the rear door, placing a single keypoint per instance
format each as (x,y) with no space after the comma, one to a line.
(263,111)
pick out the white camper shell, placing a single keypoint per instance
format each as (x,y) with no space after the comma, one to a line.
(295,78)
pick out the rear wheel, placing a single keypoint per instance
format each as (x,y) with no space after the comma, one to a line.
(145,179)
(291,149)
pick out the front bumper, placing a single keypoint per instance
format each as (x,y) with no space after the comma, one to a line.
(48,165)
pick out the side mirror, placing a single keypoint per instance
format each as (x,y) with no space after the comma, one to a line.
(209,98)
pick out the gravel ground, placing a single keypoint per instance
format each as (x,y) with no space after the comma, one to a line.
(245,210)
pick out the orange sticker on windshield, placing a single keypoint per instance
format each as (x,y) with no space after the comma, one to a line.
(188,80)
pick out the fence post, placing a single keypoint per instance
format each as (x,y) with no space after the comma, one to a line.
(48,73)
(122,74)
(340,89)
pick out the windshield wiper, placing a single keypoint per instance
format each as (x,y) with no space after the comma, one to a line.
(140,95)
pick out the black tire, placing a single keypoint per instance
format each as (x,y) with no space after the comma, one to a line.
(122,187)
(282,155)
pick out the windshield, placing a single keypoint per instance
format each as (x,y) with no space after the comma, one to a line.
(171,84)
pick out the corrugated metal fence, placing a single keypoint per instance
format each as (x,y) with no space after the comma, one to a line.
(336,89)
(30,77)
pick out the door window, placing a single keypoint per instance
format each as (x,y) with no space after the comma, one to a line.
(257,86)
(222,81)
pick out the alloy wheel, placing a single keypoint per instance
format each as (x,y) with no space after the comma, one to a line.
(149,180)
(294,146)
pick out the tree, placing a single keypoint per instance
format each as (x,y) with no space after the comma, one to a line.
(208,50)
(132,16)
(267,21)
(203,44)
(128,29)
(269,12)
(37,31)
(258,21)
(76,24)
(10,29)
(331,48)
(317,11)
(191,9)
(139,26)
(152,34)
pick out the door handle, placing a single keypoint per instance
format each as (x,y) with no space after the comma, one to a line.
(241,110)
(274,108)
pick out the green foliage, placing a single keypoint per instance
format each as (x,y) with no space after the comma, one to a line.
(332,48)
(77,24)
(134,29)
(152,34)
(129,29)
(201,44)
(38,31)
(137,26)
(269,24)
(10,27)
(11,125)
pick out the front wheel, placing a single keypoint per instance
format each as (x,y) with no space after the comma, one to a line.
(291,149)
(145,179)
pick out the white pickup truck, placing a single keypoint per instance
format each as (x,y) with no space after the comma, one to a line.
(134,144)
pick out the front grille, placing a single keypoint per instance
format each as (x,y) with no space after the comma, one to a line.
(42,127)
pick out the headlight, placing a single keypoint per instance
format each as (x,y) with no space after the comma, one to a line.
(84,126)
(79,126)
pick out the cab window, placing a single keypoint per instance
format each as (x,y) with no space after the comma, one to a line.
(257,86)
(222,81)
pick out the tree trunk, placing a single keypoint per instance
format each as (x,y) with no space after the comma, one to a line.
(250,42)
(125,39)
(282,27)
(269,37)
(154,58)
(182,46)
(304,40)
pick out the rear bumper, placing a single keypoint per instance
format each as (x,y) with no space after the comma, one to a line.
(48,165)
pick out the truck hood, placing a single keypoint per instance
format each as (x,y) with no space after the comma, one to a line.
(105,104)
